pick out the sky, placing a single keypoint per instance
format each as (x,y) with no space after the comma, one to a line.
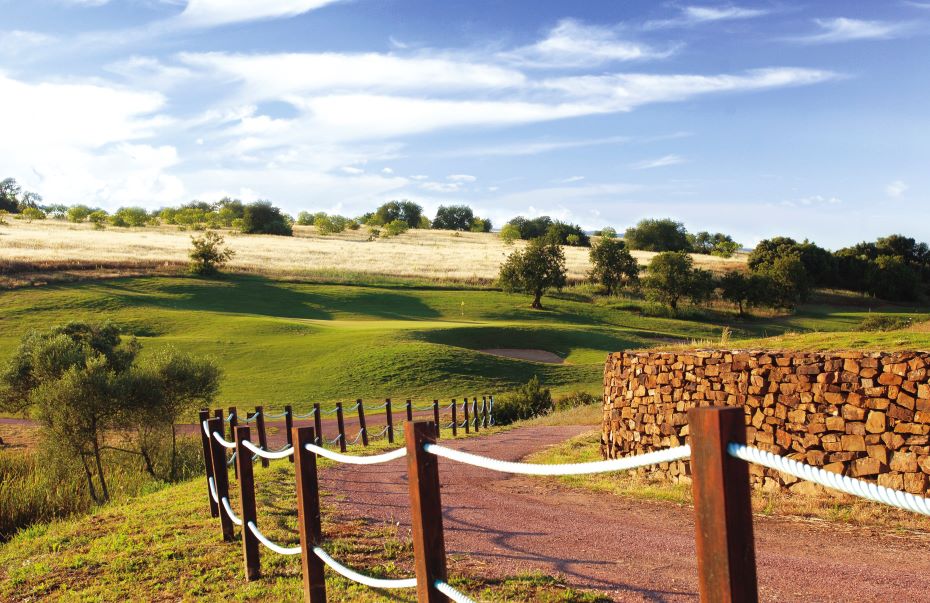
(755,119)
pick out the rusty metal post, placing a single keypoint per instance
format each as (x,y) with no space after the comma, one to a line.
(429,547)
(250,552)
(308,516)
(722,506)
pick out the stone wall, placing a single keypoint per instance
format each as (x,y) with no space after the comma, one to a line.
(866,415)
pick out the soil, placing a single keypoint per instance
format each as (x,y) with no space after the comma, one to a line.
(524,354)
(632,550)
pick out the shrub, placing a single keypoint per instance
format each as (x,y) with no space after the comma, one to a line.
(529,401)
(576,399)
(392,229)
(717,244)
(608,232)
(509,233)
(885,322)
(208,255)
(3,214)
(305,218)
(78,213)
(129,216)
(262,217)
(32,213)
(98,218)
(658,235)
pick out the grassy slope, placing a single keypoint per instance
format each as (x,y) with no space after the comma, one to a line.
(289,342)
(165,546)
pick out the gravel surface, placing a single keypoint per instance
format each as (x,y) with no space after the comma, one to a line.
(631,550)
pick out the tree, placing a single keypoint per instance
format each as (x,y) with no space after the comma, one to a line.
(453,217)
(481,225)
(535,270)
(305,218)
(658,235)
(613,265)
(78,213)
(891,278)
(819,264)
(561,232)
(261,217)
(608,232)
(531,229)
(32,213)
(98,218)
(404,210)
(669,278)
(208,255)
(130,216)
(392,229)
(9,195)
(788,279)
(509,233)
(30,199)
(717,244)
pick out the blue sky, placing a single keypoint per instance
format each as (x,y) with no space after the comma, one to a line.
(758,118)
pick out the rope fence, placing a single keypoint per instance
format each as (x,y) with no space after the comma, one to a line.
(719,460)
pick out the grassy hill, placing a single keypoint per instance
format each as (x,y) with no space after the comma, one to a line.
(292,342)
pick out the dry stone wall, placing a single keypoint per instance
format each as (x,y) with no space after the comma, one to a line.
(866,415)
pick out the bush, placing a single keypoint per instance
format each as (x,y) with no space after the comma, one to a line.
(78,213)
(509,233)
(608,232)
(262,217)
(392,229)
(885,322)
(658,235)
(208,254)
(129,216)
(97,218)
(531,400)
(32,213)
(576,399)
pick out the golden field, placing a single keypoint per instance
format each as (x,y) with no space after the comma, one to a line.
(429,254)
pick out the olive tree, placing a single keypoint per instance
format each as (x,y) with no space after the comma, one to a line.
(534,270)
(613,266)
(669,278)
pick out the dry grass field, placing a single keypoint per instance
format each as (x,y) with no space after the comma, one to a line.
(426,254)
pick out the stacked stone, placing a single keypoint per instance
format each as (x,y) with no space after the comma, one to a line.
(866,415)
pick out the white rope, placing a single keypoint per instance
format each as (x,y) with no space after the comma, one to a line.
(275,416)
(380,433)
(232,458)
(212,485)
(206,428)
(230,417)
(279,454)
(357,436)
(225,443)
(252,418)
(357,404)
(357,460)
(329,412)
(630,462)
(361,578)
(849,485)
(422,408)
(274,547)
(336,439)
(235,519)
(376,407)
(309,414)
(452,593)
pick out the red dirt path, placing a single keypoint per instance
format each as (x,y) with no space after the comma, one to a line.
(632,550)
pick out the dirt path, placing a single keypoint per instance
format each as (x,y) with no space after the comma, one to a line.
(633,550)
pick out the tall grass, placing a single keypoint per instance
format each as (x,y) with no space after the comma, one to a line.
(38,486)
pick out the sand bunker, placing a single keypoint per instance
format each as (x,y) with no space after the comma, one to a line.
(522,354)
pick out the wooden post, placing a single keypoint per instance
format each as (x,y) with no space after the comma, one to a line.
(218,414)
(288,426)
(484,412)
(465,412)
(221,477)
(260,427)
(308,516)
(722,507)
(253,568)
(429,548)
(390,420)
(455,419)
(436,416)
(409,411)
(233,422)
(318,424)
(342,427)
(361,422)
(474,408)
(207,458)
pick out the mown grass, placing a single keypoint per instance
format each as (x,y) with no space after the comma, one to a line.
(827,505)
(165,546)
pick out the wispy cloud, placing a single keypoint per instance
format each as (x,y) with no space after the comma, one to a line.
(574,44)
(896,188)
(696,15)
(812,201)
(842,29)
(534,147)
(17,41)
(461,178)
(211,13)
(569,180)
(666,160)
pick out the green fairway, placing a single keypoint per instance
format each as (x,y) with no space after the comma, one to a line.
(288,342)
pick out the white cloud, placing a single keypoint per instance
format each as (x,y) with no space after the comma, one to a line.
(17,41)
(387,171)
(209,13)
(696,15)
(812,201)
(842,29)
(648,164)
(441,187)
(419,177)
(534,147)
(573,44)
(569,180)
(896,188)
(352,170)
(461,178)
